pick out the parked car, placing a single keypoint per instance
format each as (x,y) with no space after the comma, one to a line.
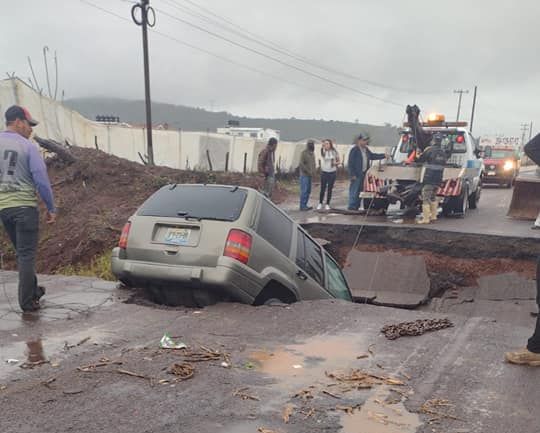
(206,243)
(502,165)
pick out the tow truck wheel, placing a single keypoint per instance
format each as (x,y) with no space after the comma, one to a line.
(464,201)
(475,198)
(457,205)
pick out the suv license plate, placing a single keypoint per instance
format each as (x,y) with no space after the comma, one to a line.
(491,173)
(177,236)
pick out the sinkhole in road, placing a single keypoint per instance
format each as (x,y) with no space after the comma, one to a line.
(397,267)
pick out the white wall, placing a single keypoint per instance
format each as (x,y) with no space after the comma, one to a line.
(176,149)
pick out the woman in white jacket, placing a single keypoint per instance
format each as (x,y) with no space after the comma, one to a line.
(329,164)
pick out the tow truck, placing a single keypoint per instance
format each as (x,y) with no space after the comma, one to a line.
(400,179)
(502,165)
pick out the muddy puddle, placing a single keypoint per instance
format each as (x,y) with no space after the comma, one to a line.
(308,361)
(381,413)
(37,350)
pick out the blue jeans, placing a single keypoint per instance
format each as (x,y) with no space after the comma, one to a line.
(354,193)
(22,227)
(534,342)
(305,191)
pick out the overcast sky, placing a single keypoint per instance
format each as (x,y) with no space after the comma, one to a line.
(419,52)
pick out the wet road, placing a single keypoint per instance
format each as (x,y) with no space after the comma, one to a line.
(490,217)
(91,362)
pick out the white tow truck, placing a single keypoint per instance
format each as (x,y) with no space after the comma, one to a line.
(400,179)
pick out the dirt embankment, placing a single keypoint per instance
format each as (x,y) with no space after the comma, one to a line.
(95,196)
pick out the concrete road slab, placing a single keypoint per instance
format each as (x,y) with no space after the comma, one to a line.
(387,278)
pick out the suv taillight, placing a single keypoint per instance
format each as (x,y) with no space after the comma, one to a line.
(238,246)
(124,236)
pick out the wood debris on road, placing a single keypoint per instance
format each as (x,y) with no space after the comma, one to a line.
(242,393)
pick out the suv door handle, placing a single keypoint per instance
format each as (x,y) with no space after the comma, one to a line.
(301,275)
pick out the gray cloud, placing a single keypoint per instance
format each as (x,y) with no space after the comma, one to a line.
(425,47)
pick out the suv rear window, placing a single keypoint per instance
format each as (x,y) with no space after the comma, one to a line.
(204,202)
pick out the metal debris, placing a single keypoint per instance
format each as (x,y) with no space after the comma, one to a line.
(244,395)
(133,374)
(102,363)
(204,355)
(418,327)
(183,371)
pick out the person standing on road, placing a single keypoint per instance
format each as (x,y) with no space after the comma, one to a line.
(359,161)
(308,169)
(434,158)
(531,354)
(329,164)
(22,173)
(266,166)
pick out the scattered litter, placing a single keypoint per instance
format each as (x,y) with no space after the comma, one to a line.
(12,361)
(197,312)
(102,363)
(242,393)
(363,380)
(287,412)
(249,366)
(3,387)
(380,366)
(47,383)
(418,327)
(364,356)
(438,409)
(167,342)
(55,364)
(304,394)
(73,391)
(132,374)
(331,395)
(205,355)
(30,365)
(349,410)
(183,371)
(71,346)
(14,335)
(225,364)
(297,366)
(308,412)
(265,430)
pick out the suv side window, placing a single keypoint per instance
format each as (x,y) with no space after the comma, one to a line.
(337,285)
(275,227)
(309,258)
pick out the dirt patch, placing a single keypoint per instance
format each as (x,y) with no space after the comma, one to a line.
(96,195)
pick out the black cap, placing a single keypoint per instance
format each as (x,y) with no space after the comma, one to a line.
(363,136)
(15,112)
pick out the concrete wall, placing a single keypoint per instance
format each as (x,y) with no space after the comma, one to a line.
(176,149)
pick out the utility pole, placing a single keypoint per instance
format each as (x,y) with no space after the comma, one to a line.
(524,129)
(530,131)
(461,92)
(473,108)
(145,10)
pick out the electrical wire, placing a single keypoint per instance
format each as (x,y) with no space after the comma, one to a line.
(210,53)
(246,34)
(277,60)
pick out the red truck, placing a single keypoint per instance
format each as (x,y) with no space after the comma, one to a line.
(501,165)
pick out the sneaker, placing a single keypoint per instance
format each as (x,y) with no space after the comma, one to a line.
(523,357)
(319,206)
(327,207)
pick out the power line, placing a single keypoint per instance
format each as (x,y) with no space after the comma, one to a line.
(246,34)
(210,53)
(277,60)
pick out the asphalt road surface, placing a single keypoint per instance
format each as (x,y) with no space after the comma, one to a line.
(489,218)
(102,368)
